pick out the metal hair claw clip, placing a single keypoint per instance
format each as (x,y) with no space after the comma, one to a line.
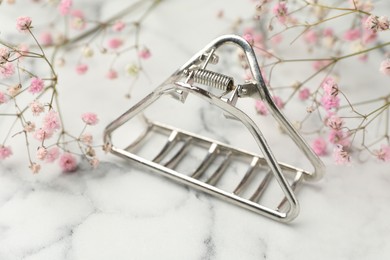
(201,162)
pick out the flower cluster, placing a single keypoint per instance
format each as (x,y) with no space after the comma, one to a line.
(29,90)
(330,105)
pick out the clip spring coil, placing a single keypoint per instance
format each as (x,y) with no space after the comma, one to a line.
(211,78)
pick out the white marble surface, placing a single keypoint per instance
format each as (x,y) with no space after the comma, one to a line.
(119,212)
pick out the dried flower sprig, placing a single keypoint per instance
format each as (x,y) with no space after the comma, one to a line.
(343,121)
(29,98)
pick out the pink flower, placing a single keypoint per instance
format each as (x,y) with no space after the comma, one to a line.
(86,138)
(23,23)
(310,37)
(114,43)
(36,85)
(4,55)
(280,11)
(385,67)
(41,153)
(261,108)
(329,102)
(29,127)
(112,74)
(3,98)
(90,118)
(328,32)
(339,137)
(81,68)
(330,86)
(68,162)
(383,154)
(334,122)
(35,168)
(52,154)
(319,64)
(94,162)
(7,70)
(375,23)
(41,134)
(78,20)
(14,90)
(340,155)
(5,152)
(65,6)
(51,121)
(118,26)
(278,102)
(369,36)
(304,94)
(319,146)
(144,53)
(36,108)
(45,38)
(352,34)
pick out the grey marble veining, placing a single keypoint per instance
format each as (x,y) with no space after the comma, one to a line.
(121,212)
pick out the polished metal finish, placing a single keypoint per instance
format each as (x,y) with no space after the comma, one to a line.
(183,83)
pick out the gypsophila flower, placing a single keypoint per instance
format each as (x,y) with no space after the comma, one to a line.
(52,154)
(339,137)
(261,108)
(36,108)
(14,90)
(4,55)
(81,68)
(90,151)
(144,53)
(23,23)
(280,11)
(36,85)
(132,69)
(42,134)
(319,146)
(385,67)
(278,102)
(112,74)
(51,121)
(35,168)
(330,102)
(383,153)
(86,138)
(114,43)
(340,155)
(334,122)
(7,70)
(90,118)
(78,20)
(29,127)
(3,98)
(375,23)
(68,162)
(118,26)
(46,38)
(304,94)
(41,153)
(94,162)
(330,86)
(65,6)
(352,34)
(88,51)
(5,152)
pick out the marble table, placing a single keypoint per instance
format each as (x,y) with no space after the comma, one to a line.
(121,212)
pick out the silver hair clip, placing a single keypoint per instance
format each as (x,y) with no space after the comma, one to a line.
(194,158)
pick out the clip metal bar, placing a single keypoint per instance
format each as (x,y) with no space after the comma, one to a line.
(260,190)
(211,154)
(249,173)
(221,169)
(179,154)
(172,139)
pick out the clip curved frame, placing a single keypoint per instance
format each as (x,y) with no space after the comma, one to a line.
(173,84)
